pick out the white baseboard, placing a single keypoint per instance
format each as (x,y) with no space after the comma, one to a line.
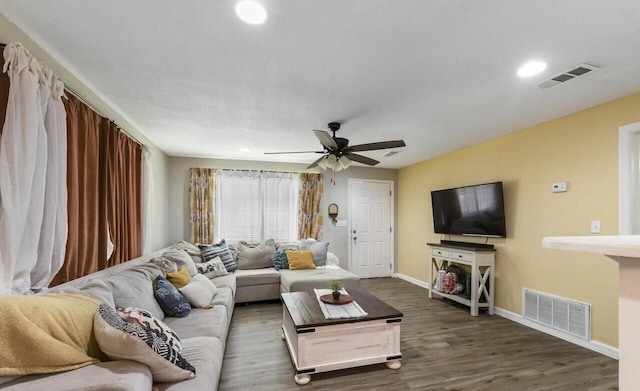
(412,280)
(591,345)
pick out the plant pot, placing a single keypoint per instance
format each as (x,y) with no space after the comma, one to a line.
(336,295)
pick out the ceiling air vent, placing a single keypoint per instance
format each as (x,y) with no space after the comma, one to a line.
(390,153)
(573,73)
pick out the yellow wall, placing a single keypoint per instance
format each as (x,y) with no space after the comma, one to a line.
(581,149)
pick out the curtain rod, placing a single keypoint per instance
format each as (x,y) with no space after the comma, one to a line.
(91,106)
(257,169)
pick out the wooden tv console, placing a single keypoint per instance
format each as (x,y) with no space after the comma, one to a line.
(482,264)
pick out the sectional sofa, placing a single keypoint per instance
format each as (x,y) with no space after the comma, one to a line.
(203,332)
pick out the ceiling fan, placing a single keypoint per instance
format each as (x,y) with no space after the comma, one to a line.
(338,155)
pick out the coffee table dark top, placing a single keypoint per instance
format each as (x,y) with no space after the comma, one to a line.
(305,310)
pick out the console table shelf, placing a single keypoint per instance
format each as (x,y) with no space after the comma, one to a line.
(482,264)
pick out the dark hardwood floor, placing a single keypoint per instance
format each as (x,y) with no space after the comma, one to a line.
(443,348)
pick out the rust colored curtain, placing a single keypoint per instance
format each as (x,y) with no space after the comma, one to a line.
(104,190)
(310,196)
(124,189)
(86,147)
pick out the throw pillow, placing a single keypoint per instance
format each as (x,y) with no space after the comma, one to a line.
(179,278)
(255,256)
(220,249)
(170,300)
(182,259)
(165,264)
(288,245)
(318,250)
(300,260)
(212,268)
(190,248)
(147,321)
(279,259)
(46,333)
(134,288)
(121,340)
(199,291)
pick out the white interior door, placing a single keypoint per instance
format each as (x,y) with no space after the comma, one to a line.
(371,224)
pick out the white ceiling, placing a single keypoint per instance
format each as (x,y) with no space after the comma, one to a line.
(440,74)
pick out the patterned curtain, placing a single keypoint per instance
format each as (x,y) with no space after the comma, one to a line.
(202,186)
(310,206)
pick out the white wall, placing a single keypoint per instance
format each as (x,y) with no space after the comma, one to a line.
(338,237)
(159,236)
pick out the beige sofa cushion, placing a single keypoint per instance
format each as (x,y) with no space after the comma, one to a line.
(307,280)
(205,353)
(257,277)
(118,375)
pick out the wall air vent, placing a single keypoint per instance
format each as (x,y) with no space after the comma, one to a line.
(564,315)
(390,153)
(573,73)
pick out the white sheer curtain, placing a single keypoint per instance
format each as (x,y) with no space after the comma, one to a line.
(147,199)
(31,173)
(255,206)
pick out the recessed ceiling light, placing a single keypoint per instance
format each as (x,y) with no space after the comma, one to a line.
(251,12)
(532,68)
(244,149)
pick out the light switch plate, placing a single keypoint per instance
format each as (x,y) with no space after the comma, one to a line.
(341,223)
(595,227)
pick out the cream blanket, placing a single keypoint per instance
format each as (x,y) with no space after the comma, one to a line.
(46,333)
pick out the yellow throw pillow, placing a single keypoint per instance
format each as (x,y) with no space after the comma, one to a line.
(299,260)
(180,278)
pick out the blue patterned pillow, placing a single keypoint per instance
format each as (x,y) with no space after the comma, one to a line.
(220,249)
(171,301)
(279,258)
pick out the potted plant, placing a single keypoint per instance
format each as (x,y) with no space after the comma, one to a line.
(335,286)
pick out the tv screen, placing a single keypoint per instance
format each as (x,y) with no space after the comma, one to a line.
(471,210)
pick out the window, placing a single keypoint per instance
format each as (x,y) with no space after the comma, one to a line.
(255,206)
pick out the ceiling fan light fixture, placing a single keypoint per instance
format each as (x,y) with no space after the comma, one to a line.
(344,162)
(332,163)
(323,164)
(251,12)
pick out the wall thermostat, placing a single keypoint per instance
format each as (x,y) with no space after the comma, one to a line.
(559,187)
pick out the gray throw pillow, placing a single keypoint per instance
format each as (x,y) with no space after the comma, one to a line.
(134,288)
(182,260)
(318,250)
(255,256)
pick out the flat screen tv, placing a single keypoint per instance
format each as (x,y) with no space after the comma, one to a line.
(471,211)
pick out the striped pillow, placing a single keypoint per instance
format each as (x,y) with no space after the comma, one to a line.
(220,249)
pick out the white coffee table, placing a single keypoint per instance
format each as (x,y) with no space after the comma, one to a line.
(319,345)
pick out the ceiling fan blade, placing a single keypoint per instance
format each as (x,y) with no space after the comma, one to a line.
(325,139)
(316,162)
(360,159)
(277,153)
(374,146)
